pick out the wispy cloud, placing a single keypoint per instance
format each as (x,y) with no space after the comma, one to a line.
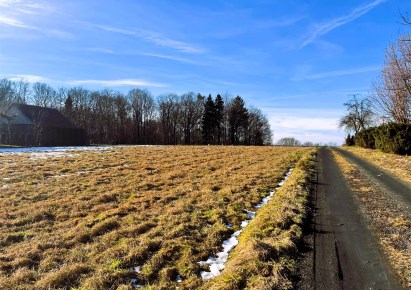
(14,22)
(16,14)
(100,50)
(116,83)
(169,57)
(26,7)
(337,73)
(324,28)
(154,38)
(28,78)
(156,55)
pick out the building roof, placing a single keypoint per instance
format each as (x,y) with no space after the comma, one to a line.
(47,117)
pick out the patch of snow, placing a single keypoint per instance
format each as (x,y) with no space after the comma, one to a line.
(245,223)
(217,263)
(229,226)
(134,282)
(250,214)
(179,279)
(137,269)
(47,152)
(58,175)
(266,199)
(6,178)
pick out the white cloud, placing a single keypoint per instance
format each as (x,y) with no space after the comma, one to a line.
(17,14)
(13,22)
(170,57)
(307,123)
(337,73)
(116,83)
(101,50)
(315,125)
(324,28)
(154,38)
(29,78)
(26,7)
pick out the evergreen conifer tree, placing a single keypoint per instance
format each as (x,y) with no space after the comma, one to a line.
(209,121)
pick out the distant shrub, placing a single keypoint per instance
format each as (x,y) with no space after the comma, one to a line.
(365,138)
(394,138)
(349,140)
(390,138)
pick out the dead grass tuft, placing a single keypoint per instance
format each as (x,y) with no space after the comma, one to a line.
(67,275)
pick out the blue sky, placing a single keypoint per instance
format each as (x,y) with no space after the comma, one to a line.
(298,61)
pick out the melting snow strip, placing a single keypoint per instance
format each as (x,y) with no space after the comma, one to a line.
(50,151)
(217,263)
(134,282)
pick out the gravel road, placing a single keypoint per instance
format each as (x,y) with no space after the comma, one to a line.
(345,254)
(384,179)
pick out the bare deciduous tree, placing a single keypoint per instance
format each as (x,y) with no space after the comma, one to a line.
(143,110)
(259,128)
(44,95)
(21,91)
(392,98)
(359,115)
(169,113)
(288,141)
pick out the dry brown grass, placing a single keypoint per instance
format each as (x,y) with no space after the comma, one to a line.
(389,219)
(85,219)
(266,255)
(399,166)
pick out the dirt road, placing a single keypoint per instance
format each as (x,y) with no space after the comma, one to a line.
(345,253)
(379,176)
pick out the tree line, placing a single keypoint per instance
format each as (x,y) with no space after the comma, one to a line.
(137,117)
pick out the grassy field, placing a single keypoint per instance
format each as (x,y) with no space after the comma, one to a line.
(389,219)
(398,165)
(90,219)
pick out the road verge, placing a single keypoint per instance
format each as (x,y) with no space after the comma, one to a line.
(265,257)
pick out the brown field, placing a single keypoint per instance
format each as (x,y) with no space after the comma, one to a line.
(85,219)
(397,165)
(389,219)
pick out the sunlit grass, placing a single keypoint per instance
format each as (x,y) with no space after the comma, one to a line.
(266,255)
(88,218)
(397,165)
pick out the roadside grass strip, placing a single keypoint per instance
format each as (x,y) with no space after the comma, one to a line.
(217,263)
(265,257)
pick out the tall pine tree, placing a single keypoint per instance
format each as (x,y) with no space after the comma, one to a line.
(238,121)
(219,117)
(209,121)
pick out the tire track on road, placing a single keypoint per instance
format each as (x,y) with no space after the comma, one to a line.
(346,254)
